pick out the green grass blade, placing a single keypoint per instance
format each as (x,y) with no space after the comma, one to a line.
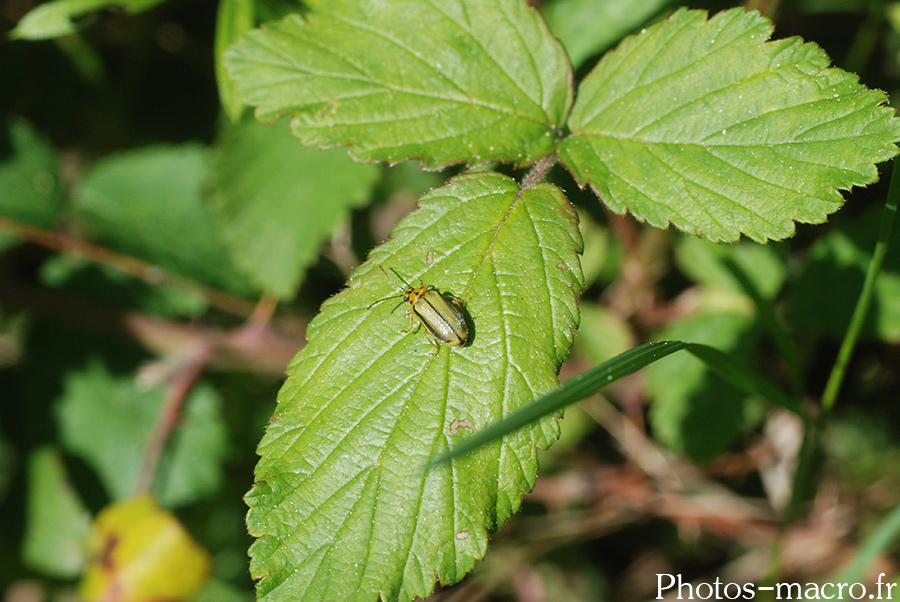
(742,377)
(885,232)
(876,544)
(596,378)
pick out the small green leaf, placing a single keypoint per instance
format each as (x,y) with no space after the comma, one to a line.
(149,203)
(469,82)
(54,19)
(705,125)
(234,19)
(28,178)
(277,201)
(707,263)
(827,289)
(693,410)
(342,505)
(108,420)
(57,522)
(602,334)
(587,27)
(191,468)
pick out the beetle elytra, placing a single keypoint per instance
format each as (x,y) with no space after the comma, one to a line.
(441,315)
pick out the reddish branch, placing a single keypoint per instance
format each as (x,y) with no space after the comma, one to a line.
(179,388)
(140,270)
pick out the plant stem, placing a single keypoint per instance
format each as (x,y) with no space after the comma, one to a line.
(137,269)
(178,390)
(538,172)
(767,7)
(809,452)
(836,378)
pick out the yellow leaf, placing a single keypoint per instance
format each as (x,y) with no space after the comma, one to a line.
(140,553)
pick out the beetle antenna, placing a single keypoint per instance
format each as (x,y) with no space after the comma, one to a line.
(392,296)
(374,303)
(394,280)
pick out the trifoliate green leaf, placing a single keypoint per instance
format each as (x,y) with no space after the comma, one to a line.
(707,126)
(449,82)
(343,507)
(277,201)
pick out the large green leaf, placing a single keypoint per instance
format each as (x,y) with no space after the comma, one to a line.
(706,125)
(469,82)
(278,201)
(342,505)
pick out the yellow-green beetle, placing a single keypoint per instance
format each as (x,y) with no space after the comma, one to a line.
(441,315)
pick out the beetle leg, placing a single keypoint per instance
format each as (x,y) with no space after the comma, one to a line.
(437,348)
(412,321)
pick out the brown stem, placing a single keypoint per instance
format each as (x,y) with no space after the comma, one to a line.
(145,272)
(538,172)
(250,347)
(176,393)
(264,310)
(767,7)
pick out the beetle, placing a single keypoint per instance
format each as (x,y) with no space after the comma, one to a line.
(440,314)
